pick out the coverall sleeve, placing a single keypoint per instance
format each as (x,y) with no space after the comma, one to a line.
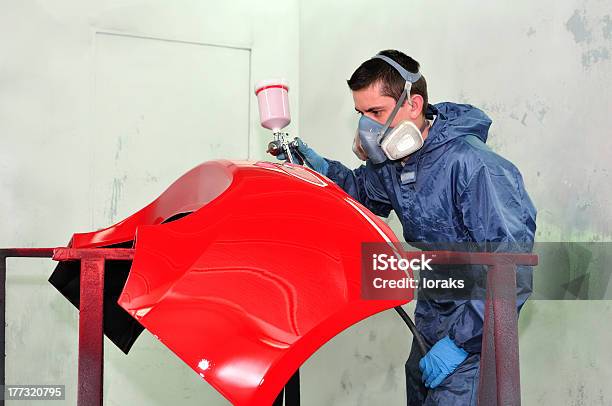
(363,184)
(499,216)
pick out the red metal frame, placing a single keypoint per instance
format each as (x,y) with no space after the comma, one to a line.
(499,362)
(499,374)
(91,338)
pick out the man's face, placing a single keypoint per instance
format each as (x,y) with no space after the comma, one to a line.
(372,103)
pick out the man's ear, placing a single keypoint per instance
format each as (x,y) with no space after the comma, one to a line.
(417,106)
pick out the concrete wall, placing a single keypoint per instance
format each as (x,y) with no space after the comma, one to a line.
(541,70)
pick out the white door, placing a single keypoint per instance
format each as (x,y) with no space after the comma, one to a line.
(162,107)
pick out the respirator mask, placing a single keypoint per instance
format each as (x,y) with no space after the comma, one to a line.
(381,142)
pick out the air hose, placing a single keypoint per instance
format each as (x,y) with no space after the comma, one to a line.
(415,333)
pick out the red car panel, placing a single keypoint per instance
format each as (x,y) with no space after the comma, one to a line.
(264,271)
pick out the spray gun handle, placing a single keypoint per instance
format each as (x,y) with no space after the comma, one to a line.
(293,147)
(276,147)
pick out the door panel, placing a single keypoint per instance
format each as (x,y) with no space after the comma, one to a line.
(162,107)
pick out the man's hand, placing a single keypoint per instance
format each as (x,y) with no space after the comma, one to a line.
(311,158)
(441,360)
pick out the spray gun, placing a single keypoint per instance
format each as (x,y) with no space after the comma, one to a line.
(281,144)
(273,100)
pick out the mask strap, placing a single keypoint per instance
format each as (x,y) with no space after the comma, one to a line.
(398,105)
(408,76)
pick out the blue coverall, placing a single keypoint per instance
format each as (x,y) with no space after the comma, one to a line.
(454,192)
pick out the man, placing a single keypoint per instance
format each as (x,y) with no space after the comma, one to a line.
(453,190)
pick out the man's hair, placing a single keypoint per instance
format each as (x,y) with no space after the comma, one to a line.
(392,83)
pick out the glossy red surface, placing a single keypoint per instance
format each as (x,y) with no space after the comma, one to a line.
(264,271)
(188,193)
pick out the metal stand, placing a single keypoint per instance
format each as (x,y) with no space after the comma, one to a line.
(499,373)
(499,362)
(91,335)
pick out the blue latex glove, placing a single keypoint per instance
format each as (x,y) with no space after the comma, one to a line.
(441,360)
(311,158)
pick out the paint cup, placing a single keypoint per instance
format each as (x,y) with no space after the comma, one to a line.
(273,99)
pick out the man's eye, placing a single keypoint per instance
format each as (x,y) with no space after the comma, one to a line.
(359,113)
